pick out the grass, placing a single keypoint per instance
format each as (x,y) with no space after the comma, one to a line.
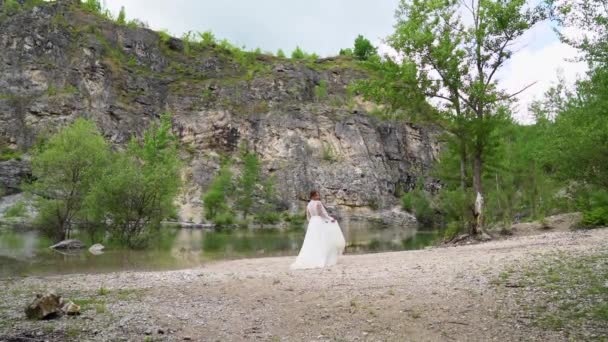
(17,210)
(570,292)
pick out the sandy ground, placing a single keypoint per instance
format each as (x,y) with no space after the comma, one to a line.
(438,294)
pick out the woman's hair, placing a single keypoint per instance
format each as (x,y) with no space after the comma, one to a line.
(313,194)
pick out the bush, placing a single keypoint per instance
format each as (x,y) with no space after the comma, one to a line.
(596,213)
(416,201)
(364,49)
(17,210)
(298,53)
(268,217)
(93,6)
(207,38)
(321,90)
(122,16)
(224,218)
(10,7)
(214,200)
(138,189)
(65,169)
(280,53)
(346,52)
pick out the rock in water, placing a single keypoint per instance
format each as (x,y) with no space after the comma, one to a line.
(44,306)
(96,249)
(69,244)
(71,309)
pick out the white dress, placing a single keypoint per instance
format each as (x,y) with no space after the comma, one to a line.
(323,242)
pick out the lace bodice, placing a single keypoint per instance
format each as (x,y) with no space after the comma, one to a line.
(316,208)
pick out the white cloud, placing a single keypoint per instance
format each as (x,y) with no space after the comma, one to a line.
(540,65)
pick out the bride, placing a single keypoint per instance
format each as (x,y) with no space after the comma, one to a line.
(323,242)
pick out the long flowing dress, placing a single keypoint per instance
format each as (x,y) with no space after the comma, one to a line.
(323,242)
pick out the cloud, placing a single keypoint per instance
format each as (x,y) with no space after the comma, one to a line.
(542,59)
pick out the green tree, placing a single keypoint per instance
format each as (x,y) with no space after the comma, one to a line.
(65,169)
(122,16)
(138,190)
(346,52)
(298,53)
(247,183)
(456,62)
(215,199)
(364,49)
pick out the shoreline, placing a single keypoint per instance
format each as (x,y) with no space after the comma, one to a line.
(424,295)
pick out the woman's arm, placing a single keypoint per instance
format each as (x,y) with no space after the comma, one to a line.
(323,213)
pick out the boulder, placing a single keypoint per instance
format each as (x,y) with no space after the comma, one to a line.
(71,309)
(69,244)
(96,249)
(44,307)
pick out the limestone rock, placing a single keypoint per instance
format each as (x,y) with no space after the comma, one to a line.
(71,309)
(96,249)
(69,244)
(44,306)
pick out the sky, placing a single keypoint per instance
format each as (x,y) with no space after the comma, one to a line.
(326,26)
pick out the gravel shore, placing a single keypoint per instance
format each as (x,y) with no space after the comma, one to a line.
(437,294)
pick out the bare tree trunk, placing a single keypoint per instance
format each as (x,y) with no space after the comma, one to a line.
(463,165)
(477,187)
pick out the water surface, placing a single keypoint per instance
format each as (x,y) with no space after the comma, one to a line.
(27,253)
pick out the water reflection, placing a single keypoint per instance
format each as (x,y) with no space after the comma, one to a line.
(26,253)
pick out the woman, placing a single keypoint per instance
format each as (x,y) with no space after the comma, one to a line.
(323,242)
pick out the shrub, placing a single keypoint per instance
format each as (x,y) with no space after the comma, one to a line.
(346,52)
(247,183)
(364,49)
(65,169)
(207,38)
(268,217)
(280,53)
(596,213)
(224,218)
(17,210)
(321,90)
(214,200)
(10,7)
(122,16)
(298,53)
(138,190)
(328,153)
(93,6)
(416,201)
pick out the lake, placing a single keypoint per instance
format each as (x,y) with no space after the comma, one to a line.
(27,253)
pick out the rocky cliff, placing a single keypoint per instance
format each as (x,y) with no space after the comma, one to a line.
(58,62)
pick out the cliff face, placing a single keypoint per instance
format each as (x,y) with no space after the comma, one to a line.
(58,62)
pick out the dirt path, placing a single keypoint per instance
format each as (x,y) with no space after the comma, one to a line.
(440,294)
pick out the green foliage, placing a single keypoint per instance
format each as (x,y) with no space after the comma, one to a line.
(321,90)
(65,169)
(595,214)
(122,16)
(346,52)
(138,188)
(7,153)
(298,53)
(93,6)
(280,53)
(10,7)
(164,36)
(328,153)
(207,38)
(19,209)
(247,183)
(418,202)
(215,199)
(364,50)
(268,217)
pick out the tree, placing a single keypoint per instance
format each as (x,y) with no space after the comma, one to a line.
(455,60)
(65,168)
(346,52)
(298,53)
(214,200)
(122,16)
(247,183)
(364,49)
(137,191)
